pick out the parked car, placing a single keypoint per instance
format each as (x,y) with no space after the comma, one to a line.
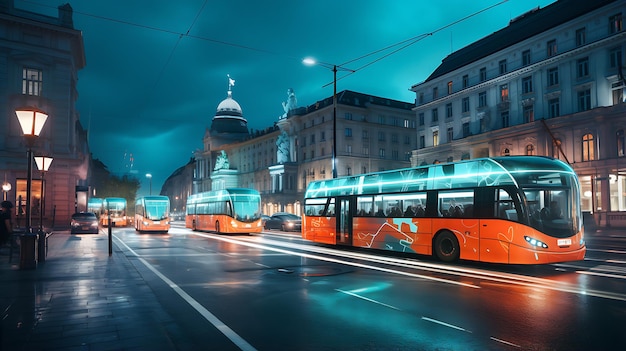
(264,219)
(284,221)
(84,222)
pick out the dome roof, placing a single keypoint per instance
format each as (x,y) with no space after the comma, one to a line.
(229,107)
(229,120)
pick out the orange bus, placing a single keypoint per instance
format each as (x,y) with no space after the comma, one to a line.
(513,209)
(235,210)
(152,214)
(114,207)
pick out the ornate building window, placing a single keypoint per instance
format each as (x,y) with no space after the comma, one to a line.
(529,113)
(527,85)
(525,57)
(530,150)
(582,68)
(581,36)
(465,103)
(554,108)
(551,46)
(615,23)
(588,147)
(482,99)
(584,100)
(553,76)
(32,81)
(502,65)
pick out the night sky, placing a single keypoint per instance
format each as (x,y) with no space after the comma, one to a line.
(157,69)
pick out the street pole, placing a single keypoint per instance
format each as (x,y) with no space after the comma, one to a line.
(334,158)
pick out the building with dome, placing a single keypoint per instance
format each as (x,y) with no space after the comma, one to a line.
(227,126)
(376,134)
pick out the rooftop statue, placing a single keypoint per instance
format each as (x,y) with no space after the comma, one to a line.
(290,104)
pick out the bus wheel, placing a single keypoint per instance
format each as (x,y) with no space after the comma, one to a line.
(447,247)
(217,227)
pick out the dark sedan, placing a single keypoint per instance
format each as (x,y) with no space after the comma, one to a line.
(84,222)
(285,222)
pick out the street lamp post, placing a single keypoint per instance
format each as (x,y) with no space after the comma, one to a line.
(310,61)
(32,121)
(43,163)
(149,176)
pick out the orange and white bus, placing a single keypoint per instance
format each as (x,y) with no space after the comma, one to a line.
(115,208)
(152,214)
(513,209)
(236,210)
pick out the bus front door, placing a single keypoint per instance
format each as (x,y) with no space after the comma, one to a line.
(344,221)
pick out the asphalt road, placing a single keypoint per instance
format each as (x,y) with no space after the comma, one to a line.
(275,291)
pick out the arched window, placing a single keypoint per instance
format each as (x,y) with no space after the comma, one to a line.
(530,150)
(621,151)
(588,147)
(506,152)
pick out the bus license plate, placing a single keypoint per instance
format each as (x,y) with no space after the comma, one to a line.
(157,222)
(564,242)
(248,225)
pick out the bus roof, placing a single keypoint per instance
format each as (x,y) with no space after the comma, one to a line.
(519,171)
(222,193)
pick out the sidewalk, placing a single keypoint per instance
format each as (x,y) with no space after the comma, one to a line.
(81,298)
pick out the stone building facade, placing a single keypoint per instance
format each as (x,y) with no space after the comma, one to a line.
(40,57)
(550,83)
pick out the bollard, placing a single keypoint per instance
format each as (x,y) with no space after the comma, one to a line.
(27,251)
(41,247)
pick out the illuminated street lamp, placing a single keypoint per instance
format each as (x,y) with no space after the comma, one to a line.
(6,187)
(149,176)
(311,61)
(43,164)
(32,121)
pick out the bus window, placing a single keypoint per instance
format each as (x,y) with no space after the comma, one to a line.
(330,210)
(453,203)
(365,206)
(320,207)
(314,207)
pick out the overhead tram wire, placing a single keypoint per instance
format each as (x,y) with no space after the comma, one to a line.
(410,41)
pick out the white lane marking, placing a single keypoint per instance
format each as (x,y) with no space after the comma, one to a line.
(608,251)
(505,342)
(506,278)
(445,324)
(606,275)
(327,259)
(367,299)
(217,323)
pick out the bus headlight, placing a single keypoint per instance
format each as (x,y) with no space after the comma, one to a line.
(535,242)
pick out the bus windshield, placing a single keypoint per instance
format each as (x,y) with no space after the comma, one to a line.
(553,207)
(246,207)
(157,209)
(551,199)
